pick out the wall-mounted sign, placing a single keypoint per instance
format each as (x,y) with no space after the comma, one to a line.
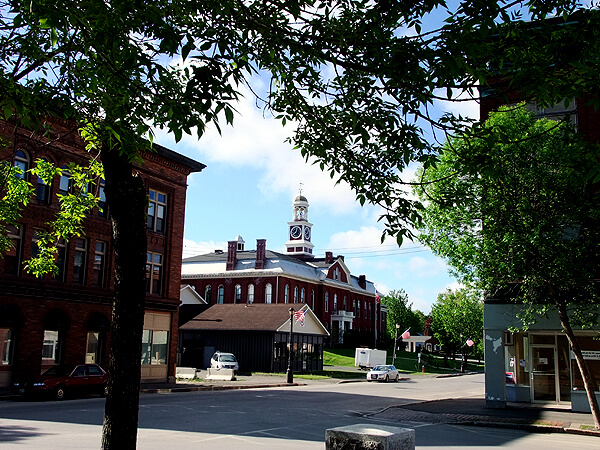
(593,355)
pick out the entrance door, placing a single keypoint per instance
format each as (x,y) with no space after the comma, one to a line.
(543,374)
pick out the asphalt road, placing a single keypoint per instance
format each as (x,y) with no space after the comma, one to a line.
(274,418)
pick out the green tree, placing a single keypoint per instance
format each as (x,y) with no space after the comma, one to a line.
(357,79)
(400,312)
(516,212)
(456,317)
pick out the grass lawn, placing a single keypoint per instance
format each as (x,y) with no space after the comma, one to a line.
(405,361)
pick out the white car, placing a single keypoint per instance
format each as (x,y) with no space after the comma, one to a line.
(383,373)
(224,361)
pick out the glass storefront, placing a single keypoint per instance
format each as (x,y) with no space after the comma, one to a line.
(544,363)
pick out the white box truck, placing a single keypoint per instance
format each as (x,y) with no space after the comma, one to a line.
(368,357)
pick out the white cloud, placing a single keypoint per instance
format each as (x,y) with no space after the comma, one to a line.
(191,248)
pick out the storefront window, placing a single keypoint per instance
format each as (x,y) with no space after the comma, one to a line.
(155,347)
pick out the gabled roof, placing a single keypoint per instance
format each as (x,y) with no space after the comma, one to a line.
(252,317)
(189,296)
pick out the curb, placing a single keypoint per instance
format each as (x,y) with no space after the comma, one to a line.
(214,388)
(532,428)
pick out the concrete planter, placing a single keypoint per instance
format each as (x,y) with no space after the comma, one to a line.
(580,403)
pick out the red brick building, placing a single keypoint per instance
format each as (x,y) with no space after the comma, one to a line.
(340,300)
(65,318)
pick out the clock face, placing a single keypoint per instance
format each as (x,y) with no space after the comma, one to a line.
(307,233)
(295,232)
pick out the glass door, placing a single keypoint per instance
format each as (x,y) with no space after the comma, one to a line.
(543,373)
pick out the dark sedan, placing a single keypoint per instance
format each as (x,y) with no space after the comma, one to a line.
(62,380)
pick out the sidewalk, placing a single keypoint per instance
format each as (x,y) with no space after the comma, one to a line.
(538,418)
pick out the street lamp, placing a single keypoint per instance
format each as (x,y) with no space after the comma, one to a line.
(395,345)
(290,370)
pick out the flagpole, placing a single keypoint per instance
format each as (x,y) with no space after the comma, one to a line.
(290,369)
(395,345)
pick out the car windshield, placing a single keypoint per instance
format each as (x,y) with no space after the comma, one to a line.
(59,371)
(380,368)
(227,358)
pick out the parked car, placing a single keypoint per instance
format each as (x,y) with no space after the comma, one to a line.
(383,373)
(62,380)
(224,361)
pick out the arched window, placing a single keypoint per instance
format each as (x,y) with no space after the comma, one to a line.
(286,295)
(42,190)
(268,293)
(296,294)
(335,305)
(326,301)
(358,309)
(250,293)
(302,296)
(208,294)
(237,294)
(220,294)
(312,299)
(22,163)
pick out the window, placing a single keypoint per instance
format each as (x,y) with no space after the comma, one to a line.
(312,299)
(358,309)
(157,207)
(370,315)
(326,301)
(154,267)
(50,349)
(302,296)
(6,339)
(154,347)
(268,293)
(12,258)
(296,294)
(250,293)
(99,264)
(93,348)
(345,303)
(65,184)
(335,304)
(22,163)
(336,274)
(237,294)
(61,260)
(35,251)
(79,263)
(208,294)
(354,306)
(286,294)
(42,190)
(102,206)
(220,294)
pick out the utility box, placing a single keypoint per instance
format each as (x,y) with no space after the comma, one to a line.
(367,357)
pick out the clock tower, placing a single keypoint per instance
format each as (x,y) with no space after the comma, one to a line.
(299,242)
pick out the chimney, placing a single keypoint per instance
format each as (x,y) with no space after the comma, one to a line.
(231,255)
(261,245)
(362,281)
(328,257)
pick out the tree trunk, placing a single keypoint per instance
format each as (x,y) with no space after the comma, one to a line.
(127,202)
(588,381)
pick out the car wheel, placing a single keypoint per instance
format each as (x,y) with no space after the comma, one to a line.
(60,392)
(397,378)
(387,379)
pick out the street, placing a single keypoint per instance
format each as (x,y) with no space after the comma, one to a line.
(288,417)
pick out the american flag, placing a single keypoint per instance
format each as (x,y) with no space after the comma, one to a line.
(299,316)
(470,342)
(406,334)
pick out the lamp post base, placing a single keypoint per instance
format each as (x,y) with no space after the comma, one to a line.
(289,376)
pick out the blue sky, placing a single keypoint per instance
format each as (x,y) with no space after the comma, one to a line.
(249,184)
